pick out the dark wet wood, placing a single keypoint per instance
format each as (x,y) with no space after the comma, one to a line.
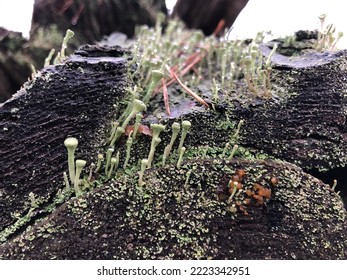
(183,219)
(72,99)
(207,15)
(304,123)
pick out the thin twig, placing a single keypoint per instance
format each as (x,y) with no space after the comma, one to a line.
(190,92)
(166,97)
(220,26)
(190,62)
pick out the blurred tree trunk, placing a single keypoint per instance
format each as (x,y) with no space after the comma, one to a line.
(209,14)
(89,19)
(14,63)
(92,19)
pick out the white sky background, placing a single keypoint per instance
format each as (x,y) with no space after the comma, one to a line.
(283,17)
(16,15)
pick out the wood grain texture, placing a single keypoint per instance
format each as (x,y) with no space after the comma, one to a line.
(72,99)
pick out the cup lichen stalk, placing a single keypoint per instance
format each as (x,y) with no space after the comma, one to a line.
(66,181)
(176,127)
(156,76)
(79,167)
(226,147)
(113,163)
(92,166)
(180,158)
(99,163)
(69,34)
(49,58)
(144,163)
(138,119)
(128,144)
(114,126)
(154,144)
(233,151)
(232,190)
(119,132)
(186,125)
(109,153)
(71,145)
(138,107)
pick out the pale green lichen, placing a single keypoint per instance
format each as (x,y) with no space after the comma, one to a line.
(71,145)
(80,164)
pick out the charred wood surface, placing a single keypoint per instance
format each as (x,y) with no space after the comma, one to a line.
(72,99)
(303,123)
(182,218)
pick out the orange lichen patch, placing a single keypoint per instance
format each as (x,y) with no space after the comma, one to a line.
(243,197)
(260,193)
(233,185)
(247,201)
(241,173)
(236,178)
(258,198)
(264,192)
(274,181)
(257,186)
(249,193)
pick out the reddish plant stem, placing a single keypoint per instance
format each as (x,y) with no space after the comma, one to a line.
(166,97)
(189,91)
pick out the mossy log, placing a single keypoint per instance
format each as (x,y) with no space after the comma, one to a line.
(181,214)
(303,122)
